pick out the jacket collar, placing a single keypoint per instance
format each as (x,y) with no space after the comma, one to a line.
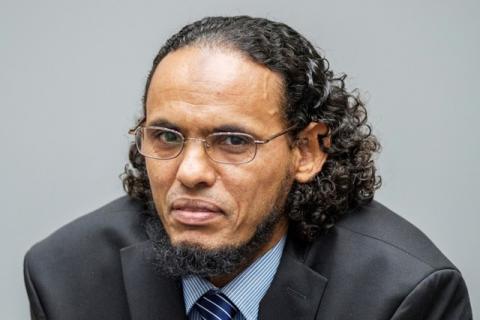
(295,293)
(296,290)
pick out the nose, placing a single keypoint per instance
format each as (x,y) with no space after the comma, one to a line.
(195,169)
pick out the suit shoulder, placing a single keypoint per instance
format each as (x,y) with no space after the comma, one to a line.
(379,224)
(113,226)
(80,264)
(373,259)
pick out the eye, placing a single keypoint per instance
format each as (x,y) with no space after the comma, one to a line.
(233,140)
(166,137)
(170,137)
(230,143)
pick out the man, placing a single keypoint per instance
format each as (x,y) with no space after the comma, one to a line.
(250,190)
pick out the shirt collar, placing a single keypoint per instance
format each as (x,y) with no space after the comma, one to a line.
(246,290)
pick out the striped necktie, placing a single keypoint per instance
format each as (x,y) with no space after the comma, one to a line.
(214,305)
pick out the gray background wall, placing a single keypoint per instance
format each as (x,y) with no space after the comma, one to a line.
(71,78)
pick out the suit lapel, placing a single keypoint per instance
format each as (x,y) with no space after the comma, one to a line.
(296,290)
(150,296)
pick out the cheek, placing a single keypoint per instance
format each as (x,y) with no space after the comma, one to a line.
(160,178)
(255,191)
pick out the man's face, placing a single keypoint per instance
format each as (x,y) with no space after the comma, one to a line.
(198,91)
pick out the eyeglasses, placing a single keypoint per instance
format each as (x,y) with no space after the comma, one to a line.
(223,147)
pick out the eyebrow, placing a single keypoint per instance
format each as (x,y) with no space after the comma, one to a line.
(231,128)
(161,122)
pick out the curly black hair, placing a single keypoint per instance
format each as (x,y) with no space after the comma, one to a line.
(312,92)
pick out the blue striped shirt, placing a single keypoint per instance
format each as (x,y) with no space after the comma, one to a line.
(246,290)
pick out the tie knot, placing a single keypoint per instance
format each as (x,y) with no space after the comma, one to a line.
(214,305)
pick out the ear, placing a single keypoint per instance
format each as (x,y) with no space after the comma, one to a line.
(309,157)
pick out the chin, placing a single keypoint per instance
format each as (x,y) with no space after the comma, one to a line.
(206,252)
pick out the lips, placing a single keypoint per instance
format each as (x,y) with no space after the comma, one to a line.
(195,212)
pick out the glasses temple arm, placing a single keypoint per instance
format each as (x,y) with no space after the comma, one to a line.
(132,131)
(276,135)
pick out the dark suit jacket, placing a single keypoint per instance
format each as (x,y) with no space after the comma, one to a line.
(373,265)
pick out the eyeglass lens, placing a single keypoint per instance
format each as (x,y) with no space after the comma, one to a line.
(163,143)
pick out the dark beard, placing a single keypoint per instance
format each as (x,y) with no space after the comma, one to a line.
(190,259)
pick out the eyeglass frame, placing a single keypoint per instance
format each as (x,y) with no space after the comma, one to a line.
(133,132)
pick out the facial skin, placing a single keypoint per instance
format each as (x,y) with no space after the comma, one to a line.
(197,91)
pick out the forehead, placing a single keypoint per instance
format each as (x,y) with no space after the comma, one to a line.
(214,85)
